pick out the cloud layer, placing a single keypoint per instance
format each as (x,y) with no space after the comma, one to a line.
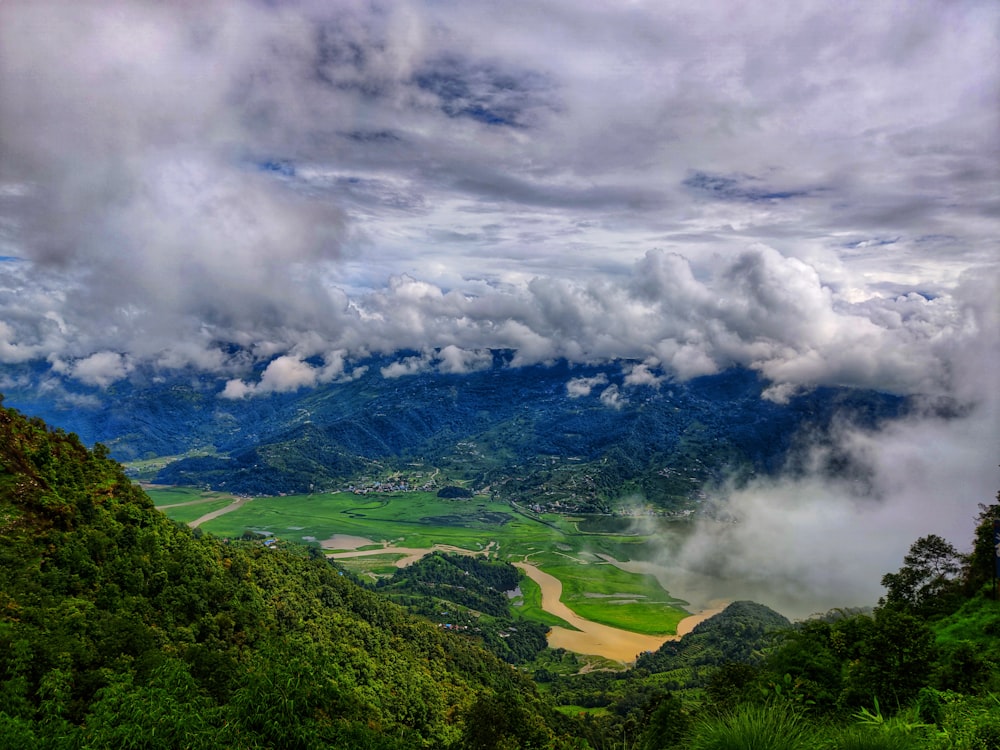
(804,191)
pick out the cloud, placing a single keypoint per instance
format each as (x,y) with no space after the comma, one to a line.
(186,181)
(578,387)
(450,360)
(289,373)
(457,361)
(612,397)
(642,374)
(808,543)
(407,366)
(100,369)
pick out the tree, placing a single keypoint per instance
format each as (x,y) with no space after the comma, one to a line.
(667,725)
(895,661)
(981,563)
(503,722)
(926,584)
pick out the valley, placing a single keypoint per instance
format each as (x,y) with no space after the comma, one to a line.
(603,609)
(389,610)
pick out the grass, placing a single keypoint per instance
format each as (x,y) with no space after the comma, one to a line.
(866,738)
(593,589)
(191,503)
(754,728)
(976,618)
(191,513)
(603,593)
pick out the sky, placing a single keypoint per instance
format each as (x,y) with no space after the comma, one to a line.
(808,189)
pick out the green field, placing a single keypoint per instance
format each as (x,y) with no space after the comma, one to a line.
(592,588)
(187,504)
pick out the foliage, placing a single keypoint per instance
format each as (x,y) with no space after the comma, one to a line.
(927,583)
(667,724)
(869,738)
(753,727)
(467,595)
(981,563)
(737,634)
(120,628)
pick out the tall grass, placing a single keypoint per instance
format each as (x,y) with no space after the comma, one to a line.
(751,727)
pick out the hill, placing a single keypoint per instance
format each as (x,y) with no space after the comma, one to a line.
(119,628)
(739,633)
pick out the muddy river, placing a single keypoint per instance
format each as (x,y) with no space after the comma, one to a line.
(595,638)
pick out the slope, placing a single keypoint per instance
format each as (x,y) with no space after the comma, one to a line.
(119,628)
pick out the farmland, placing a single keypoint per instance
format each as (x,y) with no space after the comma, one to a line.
(397,524)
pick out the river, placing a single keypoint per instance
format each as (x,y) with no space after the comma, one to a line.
(593,637)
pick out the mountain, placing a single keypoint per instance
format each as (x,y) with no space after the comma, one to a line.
(562,431)
(120,628)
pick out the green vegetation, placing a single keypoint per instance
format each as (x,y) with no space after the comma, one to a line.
(753,727)
(122,628)
(603,593)
(593,588)
(469,596)
(920,671)
(531,606)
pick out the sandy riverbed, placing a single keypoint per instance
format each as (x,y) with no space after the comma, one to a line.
(595,638)
(589,638)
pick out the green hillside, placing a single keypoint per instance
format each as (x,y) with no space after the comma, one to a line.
(120,628)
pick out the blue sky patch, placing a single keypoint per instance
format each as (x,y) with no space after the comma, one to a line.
(481,91)
(738,188)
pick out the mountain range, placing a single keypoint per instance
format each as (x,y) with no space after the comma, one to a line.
(582,434)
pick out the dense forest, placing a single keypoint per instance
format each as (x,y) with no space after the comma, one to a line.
(122,629)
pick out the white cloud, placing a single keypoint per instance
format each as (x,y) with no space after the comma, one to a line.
(579,387)
(807,543)
(612,397)
(287,374)
(407,366)
(101,368)
(237,389)
(642,374)
(458,361)
(291,372)
(432,193)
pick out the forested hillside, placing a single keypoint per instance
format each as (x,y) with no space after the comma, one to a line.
(119,628)
(468,596)
(526,432)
